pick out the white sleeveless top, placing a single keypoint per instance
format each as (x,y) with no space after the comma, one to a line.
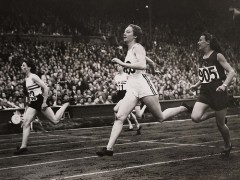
(33,88)
(131,58)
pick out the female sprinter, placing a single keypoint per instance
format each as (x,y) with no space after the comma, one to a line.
(214,83)
(139,87)
(38,94)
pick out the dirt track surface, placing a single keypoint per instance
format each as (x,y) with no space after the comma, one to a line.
(171,150)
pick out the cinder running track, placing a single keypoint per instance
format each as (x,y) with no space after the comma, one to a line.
(172,150)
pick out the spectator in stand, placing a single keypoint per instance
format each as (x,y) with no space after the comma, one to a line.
(75,100)
(76,60)
(81,101)
(89,101)
(99,100)
(109,100)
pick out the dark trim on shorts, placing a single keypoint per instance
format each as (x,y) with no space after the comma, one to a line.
(149,83)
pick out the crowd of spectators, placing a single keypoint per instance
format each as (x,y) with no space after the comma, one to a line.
(82,71)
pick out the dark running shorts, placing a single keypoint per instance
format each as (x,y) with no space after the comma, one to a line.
(120,95)
(38,103)
(216,100)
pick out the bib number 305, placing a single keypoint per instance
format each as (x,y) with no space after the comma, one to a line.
(207,74)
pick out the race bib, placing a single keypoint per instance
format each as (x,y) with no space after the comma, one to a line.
(121,86)
(129,70)
(208,74)
(32,96)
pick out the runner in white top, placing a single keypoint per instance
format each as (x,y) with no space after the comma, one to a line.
(38,94)
(139,86)
(32,87)
(120,80)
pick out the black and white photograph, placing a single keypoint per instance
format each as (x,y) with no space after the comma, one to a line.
(119,89)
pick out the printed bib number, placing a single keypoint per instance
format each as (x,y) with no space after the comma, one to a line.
(208,74)
(129,70)
(120,87)
(32,96)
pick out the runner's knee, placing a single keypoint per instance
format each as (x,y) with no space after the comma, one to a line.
(115,109)
(54,120)
(121,117)
(195,119)
(26,122)
(160,118)
(220,124)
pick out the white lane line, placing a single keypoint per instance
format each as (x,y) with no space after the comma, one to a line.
(37,141)
(90,128)
(102,127)
(73,159)
(74,142)
(41,134)
(149,141)
(144,165)
(170,121)
(61,138)
(107,140)
(173,138)
(138,142)
(195,144)
(181,144)
(47,136)
(69,150)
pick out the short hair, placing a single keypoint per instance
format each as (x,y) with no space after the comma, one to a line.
(137,31)
(30,64)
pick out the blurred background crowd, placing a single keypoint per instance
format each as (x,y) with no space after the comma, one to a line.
(81,69)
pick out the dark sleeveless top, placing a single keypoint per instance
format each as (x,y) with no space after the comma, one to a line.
(211,70)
